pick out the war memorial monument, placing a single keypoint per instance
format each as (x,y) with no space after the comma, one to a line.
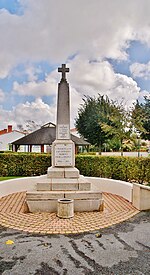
(63,190)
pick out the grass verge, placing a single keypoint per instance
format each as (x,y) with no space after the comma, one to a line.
(8,178)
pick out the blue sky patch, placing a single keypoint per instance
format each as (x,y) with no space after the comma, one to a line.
(13,6)
(137,53)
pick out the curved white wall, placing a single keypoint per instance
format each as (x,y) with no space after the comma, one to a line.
(138,194)
(18,185)
(118,187)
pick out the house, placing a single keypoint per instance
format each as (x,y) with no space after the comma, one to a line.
(81,149)
(74,132)
(7,136)
(42,139)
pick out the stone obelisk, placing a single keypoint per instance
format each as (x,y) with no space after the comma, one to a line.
(63,106)
(63,148)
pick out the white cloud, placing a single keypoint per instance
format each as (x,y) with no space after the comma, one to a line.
(54,30)
(143,94)
(99,77)
(33,88)
(91,75)
(2,95)
(140,70)
(75,101)
(85,78)
(32,72)
(123,88)
(36,111)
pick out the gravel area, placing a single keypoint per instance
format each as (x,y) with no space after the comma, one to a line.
(121,249)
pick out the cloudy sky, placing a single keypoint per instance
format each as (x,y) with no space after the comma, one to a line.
(105,43)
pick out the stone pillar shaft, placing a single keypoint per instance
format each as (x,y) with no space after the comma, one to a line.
(63,111)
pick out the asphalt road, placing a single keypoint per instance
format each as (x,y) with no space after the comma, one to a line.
(126,154)
(121,249)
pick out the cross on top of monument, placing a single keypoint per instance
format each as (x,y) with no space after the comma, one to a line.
(63,70)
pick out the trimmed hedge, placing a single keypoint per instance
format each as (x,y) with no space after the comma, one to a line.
(120,168)
(24,164)
(130,169)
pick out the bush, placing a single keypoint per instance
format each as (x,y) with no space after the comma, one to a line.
(131,169)
(24,164)
(88,153)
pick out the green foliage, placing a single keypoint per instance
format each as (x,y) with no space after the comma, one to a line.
(120,168)
(113,144)
(89,153)
(100,119)
(9,178)
(24,164)
(146,123)
(130,169)
(140,118)
(128,145)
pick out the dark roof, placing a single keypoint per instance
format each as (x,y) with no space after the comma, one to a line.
(46,135)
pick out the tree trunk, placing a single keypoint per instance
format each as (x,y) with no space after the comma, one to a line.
(100,149)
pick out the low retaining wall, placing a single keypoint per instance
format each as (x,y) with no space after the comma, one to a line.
(138,194)
(17,185)
(141,197)
(118,187)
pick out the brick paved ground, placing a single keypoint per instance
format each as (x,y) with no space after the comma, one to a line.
(13,214)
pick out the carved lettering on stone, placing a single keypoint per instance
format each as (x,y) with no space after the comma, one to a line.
(63,155)
(63,131)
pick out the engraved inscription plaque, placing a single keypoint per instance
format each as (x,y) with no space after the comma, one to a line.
(63,155)
(63,131)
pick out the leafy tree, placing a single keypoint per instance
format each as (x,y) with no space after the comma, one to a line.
(100,119)
(140,118)
(146,123)
(113,144)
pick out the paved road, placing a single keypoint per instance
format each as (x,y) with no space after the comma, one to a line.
(126,154)
(121,249)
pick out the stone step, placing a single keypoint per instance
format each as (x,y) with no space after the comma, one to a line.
(84,185)
(54,172)
(65,184)
(55,195)
(79,205)
(44,185)
(83,195)
(44,195)
(42,206)
(64,172)
(47,201)
(71,172)
(60,184)
(88,205)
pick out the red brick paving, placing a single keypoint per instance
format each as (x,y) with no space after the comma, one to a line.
(13,214)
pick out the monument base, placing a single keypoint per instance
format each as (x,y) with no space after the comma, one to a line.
(56,186)
(62,172)
(84,201)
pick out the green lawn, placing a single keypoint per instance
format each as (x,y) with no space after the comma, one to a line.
(8,178)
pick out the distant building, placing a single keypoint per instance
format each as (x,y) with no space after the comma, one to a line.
(75,132)
(41,140)
(81,149)
(7,136)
